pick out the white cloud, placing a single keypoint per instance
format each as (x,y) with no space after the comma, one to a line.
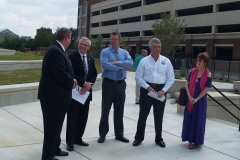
(24,17)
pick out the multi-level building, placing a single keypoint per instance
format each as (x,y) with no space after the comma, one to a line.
(211,25)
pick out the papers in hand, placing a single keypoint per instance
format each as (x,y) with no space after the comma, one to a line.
(78,97)
(155,95)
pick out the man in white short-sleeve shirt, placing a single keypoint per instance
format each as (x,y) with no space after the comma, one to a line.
(154,73)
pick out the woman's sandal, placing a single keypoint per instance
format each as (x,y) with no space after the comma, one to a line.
(190,145)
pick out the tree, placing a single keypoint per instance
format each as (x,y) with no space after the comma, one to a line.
(98,44)
(92,48)
(170,31)
(44,37)
(124,44)
(22,48)
(74,38)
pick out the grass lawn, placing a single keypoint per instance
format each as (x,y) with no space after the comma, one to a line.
(20,76)
(29,75)
(22,56)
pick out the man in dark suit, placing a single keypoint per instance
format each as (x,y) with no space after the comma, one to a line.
(85,73)
(55,93)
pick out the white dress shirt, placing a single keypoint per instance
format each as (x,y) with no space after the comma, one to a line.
(85,59)
(159,72)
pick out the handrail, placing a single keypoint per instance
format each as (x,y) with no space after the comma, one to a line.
(225,107)
(226,97)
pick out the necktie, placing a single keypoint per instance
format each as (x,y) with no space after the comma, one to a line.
(84,67)
(119,73)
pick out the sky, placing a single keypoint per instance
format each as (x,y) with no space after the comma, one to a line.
(24,17)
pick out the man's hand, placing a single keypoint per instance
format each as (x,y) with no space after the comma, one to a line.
(87,86)
(74,83)
(121,68)
(82,91)
(114,62)
(150,89)
(161,93)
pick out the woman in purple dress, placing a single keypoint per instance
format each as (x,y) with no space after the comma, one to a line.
(198,83)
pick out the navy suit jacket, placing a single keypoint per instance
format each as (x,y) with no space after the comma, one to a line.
(56,82)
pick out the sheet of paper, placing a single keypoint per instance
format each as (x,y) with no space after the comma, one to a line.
(78,97)
(155,95)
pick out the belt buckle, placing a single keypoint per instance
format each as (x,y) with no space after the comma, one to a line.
(154,84)
(115,81)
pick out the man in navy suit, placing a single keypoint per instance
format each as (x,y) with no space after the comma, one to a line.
(85,73)
(55,93)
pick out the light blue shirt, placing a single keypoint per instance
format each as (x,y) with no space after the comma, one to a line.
(112,71)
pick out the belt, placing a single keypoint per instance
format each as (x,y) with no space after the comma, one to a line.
(155,84)
(114,81)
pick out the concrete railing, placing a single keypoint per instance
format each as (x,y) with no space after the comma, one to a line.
(18,65)
(25,93)
(236,86)
(7,52)
(216,111)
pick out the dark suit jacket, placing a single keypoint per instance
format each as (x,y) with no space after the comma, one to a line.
(57,77)
(77,65)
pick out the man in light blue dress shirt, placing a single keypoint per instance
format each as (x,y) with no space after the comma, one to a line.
(115,62)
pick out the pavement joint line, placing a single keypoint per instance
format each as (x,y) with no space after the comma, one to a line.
(77,152)
(19,145)
(22,119)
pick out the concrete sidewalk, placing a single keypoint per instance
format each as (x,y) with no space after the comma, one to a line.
(21,135)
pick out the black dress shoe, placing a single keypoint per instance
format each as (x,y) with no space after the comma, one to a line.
(137,103)
(101,139)
(82,143)
(161,144)
(123,139)
(70,147)
(136,143)
(61,153)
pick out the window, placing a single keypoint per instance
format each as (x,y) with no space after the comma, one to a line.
(85,7)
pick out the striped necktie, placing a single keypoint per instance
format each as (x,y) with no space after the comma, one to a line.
(84,67)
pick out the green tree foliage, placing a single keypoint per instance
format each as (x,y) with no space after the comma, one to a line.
(12,43)
(170,31)
(92,48)
(124,44)
(22,48)
(44,37)
(73,44)
(99,44)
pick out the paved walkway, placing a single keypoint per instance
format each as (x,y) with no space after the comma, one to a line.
(21,135)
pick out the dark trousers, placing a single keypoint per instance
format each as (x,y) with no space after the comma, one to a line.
(112,93)
(77,116)
(158,109)
(53,117)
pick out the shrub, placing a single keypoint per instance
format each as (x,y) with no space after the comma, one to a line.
(177,76)
(182,71)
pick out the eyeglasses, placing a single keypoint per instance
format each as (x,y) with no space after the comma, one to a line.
(199,60)
(114,39)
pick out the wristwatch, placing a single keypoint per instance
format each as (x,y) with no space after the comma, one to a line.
(195,100)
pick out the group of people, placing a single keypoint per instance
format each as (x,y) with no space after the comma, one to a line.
(154,73)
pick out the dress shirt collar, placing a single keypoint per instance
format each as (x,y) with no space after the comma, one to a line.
(61,45)
(153,58)
(82,55)
(113,50)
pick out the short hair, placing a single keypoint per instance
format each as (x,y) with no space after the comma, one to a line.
(143,50)
(155,40)
(62,33)
(116,33)
(205,57)
(85,38)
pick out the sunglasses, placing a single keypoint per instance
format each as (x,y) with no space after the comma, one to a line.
(199,60)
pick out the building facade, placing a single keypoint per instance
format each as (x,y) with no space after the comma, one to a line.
(211,25)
